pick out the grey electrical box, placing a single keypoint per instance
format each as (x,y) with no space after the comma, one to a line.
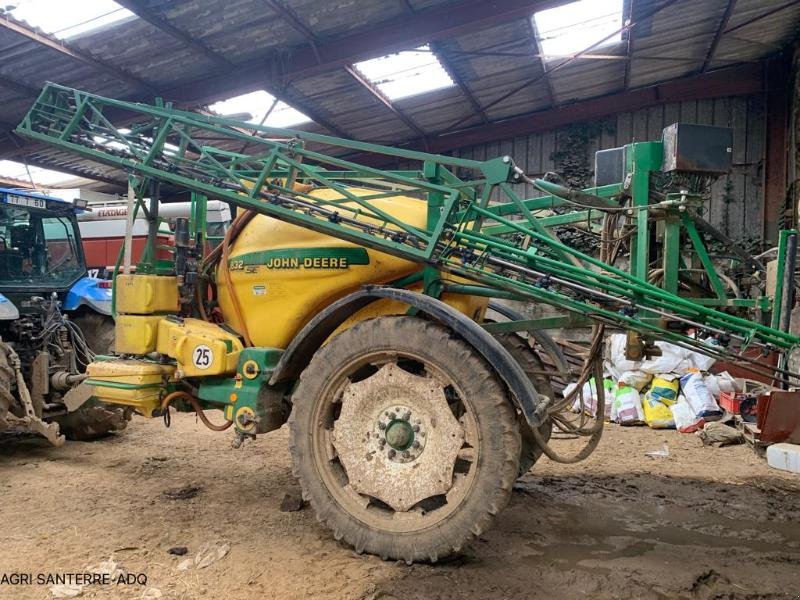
(697,148)
(609,166)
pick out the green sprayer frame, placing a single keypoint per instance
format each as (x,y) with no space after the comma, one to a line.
(478,227)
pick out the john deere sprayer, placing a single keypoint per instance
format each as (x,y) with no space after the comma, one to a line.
(360,304)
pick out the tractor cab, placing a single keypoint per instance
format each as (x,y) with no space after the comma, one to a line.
(41,253)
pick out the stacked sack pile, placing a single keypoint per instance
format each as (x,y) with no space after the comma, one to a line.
(673,390)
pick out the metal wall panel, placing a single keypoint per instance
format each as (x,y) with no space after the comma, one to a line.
(736,199)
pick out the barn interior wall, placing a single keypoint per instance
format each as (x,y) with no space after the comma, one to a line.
(736,201)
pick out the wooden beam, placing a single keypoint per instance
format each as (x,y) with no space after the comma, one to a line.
(777,114)
(9,182)
(65,49)
(712,49)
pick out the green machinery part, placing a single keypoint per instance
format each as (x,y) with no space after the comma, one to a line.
(478,226)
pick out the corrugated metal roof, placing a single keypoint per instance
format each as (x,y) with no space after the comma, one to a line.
(497,65)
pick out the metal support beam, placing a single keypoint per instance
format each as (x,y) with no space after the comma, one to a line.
(627,27)
(626,82)
(378,95)
(459,81)
(143,12)
(399,33)
(746,79)
(537,47)
(159,22)
(297,24)
(439,52)
(48,41)
(712,49)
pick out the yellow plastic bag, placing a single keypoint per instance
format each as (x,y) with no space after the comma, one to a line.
(662,394)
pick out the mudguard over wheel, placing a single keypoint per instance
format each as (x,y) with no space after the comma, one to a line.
(533,366)
(403,439)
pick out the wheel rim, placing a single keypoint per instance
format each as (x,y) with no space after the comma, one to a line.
(395,441)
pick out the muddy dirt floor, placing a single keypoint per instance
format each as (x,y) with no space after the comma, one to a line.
(702,523)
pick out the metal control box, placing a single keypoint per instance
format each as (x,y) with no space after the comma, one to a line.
(697,148)
(609,166)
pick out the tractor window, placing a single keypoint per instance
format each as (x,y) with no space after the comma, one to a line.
(37,250)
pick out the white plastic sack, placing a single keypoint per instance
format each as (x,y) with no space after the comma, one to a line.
(700,361)
(628,406)
(698,396)
(635,379)
(683,415)
(723,382)
(590,398)
(671,357)
(615,354)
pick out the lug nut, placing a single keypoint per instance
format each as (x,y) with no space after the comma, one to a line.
(381,443)
(392,453)
(407,416)
(415,445)
(416,428)
(392,416)
(406,454)
(381,425)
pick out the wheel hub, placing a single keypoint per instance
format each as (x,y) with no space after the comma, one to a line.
(400,453)
(399,435)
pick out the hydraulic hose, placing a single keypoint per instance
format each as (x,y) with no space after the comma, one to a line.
(592,366)
(170,398)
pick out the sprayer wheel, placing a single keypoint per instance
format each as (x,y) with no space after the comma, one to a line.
(403,439)
(521,351)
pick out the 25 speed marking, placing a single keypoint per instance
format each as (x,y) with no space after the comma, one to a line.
(202,357)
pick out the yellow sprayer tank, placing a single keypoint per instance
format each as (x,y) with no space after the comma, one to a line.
(283,275)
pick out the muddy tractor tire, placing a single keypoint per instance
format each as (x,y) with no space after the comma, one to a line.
(92,421)
(403,439)
(98,330)
(529,360)
(6,398)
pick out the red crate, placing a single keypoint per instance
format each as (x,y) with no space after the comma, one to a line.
(731,401)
